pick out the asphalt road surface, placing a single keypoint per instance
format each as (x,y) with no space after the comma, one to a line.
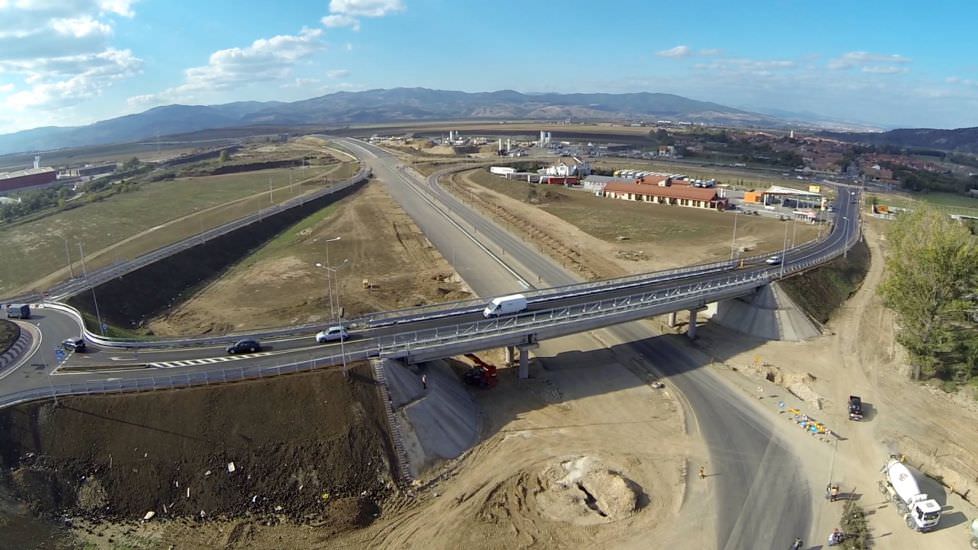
(763,498)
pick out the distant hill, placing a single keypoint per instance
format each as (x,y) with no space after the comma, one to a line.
(378,106)
(961,139)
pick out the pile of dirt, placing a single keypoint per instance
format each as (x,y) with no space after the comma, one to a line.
(583,491)
(308,447)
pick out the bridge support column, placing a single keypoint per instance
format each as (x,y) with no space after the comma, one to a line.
(510,356)
(691,331)
(524,369)
(672,319)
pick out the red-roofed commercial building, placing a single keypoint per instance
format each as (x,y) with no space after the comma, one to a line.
(679,195)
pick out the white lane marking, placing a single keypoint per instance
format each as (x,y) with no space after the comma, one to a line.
(205,360)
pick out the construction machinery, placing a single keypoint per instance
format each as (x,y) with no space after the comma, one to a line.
(482,374)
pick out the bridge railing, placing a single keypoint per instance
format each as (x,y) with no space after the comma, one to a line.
(431,339)
(163,381)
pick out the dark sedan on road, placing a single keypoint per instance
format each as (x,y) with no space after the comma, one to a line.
(244,346)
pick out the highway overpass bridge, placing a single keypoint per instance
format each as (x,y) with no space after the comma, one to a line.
(432,332)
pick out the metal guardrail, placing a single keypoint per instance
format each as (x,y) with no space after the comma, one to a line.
(402,344)
(165,382)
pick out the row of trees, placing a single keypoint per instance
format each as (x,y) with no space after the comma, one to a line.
(931,282)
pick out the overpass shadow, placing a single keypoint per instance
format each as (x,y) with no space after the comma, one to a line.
(560,378)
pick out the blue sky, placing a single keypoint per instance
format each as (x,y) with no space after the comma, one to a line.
(896,63)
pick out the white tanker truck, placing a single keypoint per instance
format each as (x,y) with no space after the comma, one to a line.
(921,512)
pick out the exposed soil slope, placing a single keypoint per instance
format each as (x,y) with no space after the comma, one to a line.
(305,446)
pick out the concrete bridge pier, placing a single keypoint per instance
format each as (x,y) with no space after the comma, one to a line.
(524,369)
(672,319)
(691,329)
(510,356)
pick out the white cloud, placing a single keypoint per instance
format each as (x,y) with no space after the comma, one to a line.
(266,59)
(366,8)
(118,7)
(60,50)
(748,66)
(710,52)
(860,59)
(64,81)
(885,69)
(333,21)
(677,52)
(80,27)
(338,73)
(346,13)
(348,47)
(6,88)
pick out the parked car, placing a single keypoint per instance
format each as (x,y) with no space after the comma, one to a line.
(244,346)
(332,334)
(74,344)
(773,260)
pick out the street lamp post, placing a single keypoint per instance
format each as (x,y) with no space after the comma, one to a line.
(334,269)
(71,269)
(845,238)
(733,240)
(784,249)
(98,316)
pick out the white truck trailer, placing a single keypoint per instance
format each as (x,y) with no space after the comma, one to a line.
(921,512)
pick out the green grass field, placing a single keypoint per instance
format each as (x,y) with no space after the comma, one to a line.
(949,202)
(609,219)
(126,225)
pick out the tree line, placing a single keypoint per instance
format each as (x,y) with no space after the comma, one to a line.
(931,282)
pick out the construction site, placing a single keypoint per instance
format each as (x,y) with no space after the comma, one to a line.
(596,447)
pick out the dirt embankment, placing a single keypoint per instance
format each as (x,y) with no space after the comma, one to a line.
(821,291)
(385,261)
(310,448)
(130,300)
(9,333)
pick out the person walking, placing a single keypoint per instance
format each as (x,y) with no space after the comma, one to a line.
(834,494)
(424,381)
(702,472)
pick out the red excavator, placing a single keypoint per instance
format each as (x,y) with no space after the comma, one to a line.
(482,375)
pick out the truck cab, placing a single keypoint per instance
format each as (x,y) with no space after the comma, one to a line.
(855,408)
(924,515)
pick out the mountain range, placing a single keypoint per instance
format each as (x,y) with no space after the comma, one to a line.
(379,106)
